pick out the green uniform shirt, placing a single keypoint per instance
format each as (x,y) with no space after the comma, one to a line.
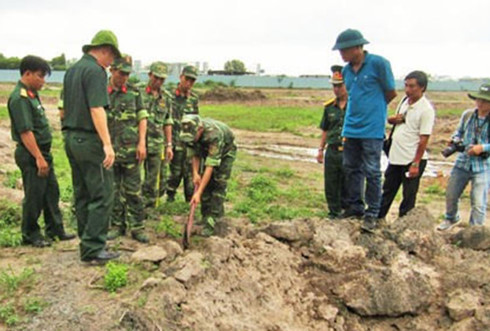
(84,87)
(125,112)
(216,142)
(27,114)
(332,122)
(158,116)
(181,105)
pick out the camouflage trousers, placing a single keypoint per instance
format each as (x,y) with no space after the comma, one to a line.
(180,168)
(164,169)
(214,195)
(128,206)
(152,181)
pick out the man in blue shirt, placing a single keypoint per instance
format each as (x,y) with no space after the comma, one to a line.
(371,86)
(472,163)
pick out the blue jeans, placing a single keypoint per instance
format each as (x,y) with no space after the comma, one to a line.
(480,183)
(362,161)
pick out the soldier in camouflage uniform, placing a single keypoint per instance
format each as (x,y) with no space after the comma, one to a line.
(184,101)
(331,125)
(212,143)
(126,119)
(156,101)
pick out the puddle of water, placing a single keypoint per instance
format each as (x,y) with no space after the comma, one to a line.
(303,154)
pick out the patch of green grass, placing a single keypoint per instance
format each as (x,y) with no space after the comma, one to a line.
(11,178)
(262,189)
(34,305)
(8,314)
(116,276)
(10,216)
(264,118)
(285,172)
(435,189)
(4,113)
(10,282)
(168,225)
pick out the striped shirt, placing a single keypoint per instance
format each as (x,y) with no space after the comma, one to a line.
(473,131)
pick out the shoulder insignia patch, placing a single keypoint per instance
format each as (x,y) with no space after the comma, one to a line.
(23,92)
(329,102)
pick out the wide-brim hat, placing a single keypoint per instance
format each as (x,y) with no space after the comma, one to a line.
(349,38)
(483,93)
(104,38)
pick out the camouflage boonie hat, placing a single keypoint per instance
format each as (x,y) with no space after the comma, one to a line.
(104,38)
(124,64)
(189,71)
(190,125)
(159,69)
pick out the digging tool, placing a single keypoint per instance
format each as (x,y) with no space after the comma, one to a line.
(186,235)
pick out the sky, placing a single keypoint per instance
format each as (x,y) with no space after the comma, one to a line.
(442,38)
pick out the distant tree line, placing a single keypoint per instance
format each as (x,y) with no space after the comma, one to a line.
(57,63)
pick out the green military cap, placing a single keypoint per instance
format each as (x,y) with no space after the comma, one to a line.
(349,38)
(189,71)
(124,63)
(483,93)
(159,69)
(336,75)
(190,125)
(104,38)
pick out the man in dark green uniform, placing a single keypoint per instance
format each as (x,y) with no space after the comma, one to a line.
(32,133)
(213,143)
(156,102)
(331,125)
(127,125)
(184,101)
(88,144)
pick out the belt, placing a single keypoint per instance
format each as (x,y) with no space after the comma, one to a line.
(336,147)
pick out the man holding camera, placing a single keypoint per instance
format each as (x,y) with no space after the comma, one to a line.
(413,124)
(472,140)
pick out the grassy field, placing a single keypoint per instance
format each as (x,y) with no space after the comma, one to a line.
(261,189)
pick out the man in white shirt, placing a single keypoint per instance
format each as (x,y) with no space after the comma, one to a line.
(413,124)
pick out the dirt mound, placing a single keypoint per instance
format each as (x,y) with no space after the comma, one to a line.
(232,94)
(321,275)
(303,275)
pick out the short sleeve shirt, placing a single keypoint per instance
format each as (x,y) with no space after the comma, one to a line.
(366,109)
(84,87)
(27,114)
(332,122)
(419,120)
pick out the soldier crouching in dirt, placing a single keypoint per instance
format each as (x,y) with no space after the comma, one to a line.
(31,131)
(214,143)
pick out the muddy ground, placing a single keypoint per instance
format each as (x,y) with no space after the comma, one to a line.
(307,274)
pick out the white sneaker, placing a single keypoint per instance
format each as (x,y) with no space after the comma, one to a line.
(447,225)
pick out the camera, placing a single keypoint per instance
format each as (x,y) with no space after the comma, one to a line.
(456,145)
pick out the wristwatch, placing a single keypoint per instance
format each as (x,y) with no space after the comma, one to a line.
(414,164)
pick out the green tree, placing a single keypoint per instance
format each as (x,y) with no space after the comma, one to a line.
(9,62)
(59,62)
(235,66)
